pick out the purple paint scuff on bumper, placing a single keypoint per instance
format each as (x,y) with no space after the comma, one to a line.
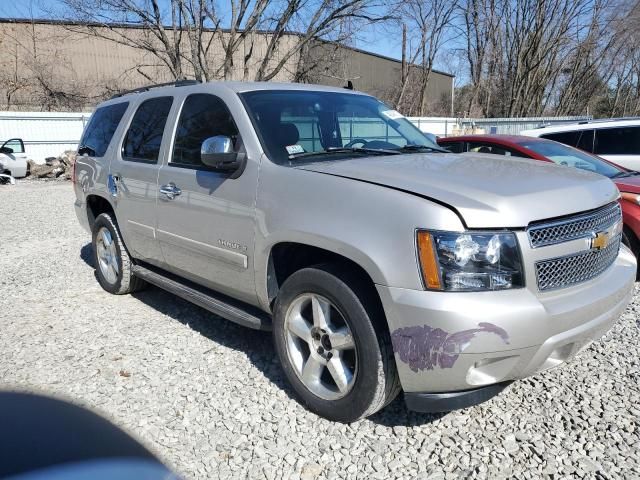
(424,347)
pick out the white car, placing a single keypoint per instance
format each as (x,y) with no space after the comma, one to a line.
(13,159)
(615,140)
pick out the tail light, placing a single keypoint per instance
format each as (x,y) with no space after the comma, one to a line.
(73,171)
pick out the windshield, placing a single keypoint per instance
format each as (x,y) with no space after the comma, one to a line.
(564,155)
(299,126)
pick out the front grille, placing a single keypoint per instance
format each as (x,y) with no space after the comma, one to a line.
(572,228)
(565,271)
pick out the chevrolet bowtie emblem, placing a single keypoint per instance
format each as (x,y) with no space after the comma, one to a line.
(600,240)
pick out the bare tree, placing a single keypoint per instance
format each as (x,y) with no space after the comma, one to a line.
(480,29)
(425,25)
(12,75)
(104,18)
(589,64)
(531,57)
(38,72)
(315,20)
(185,37)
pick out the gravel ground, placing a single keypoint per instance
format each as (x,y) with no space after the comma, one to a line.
(210,399)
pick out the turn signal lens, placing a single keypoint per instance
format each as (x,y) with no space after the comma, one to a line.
(428,261)
(631,197)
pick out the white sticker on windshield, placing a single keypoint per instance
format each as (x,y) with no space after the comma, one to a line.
(392,114)
(293,149)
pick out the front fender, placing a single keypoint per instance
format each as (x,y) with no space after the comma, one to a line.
(372,225)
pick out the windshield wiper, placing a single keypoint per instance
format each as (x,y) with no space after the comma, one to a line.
(420,148)
(330,150)
(626,174)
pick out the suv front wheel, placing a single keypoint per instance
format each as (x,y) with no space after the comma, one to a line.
(111,259)
(331,341)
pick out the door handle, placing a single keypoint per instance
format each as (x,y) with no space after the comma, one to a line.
(170,190)
(112,184)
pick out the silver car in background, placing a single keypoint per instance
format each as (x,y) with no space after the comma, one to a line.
(380,261)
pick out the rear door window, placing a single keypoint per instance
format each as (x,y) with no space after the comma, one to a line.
(618,141)
(144,138)
(582,139)
(103,124)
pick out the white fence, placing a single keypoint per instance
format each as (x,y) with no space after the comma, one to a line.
(440,126)
(444,127)
(47,134)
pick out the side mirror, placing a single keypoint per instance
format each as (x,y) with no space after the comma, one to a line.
(6,150)
(217,152)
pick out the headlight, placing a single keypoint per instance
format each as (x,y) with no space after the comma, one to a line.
(469,261)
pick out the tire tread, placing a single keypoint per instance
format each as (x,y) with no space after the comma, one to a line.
(388,382)
(129,283)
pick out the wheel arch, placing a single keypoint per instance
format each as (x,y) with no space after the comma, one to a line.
(287,257)
(97,204)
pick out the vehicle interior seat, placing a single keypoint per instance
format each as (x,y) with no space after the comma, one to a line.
(280,136)
(287,134)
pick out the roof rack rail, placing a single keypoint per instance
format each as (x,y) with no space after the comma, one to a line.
(603,120)
(176,83)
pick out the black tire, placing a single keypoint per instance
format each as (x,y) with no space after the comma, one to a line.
(125,281)
(376,382)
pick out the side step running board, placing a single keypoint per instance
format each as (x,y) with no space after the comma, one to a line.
(216,303)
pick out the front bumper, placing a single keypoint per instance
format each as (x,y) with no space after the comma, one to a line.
(445,402)
(453,341)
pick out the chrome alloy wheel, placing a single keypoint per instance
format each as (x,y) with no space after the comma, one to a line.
(107,255)
(320,346)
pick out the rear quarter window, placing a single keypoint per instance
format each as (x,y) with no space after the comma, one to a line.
(103,124)
(618,141)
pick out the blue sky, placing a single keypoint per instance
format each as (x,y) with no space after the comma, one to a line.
(372,40)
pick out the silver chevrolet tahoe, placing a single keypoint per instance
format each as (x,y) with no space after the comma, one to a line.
(380,262)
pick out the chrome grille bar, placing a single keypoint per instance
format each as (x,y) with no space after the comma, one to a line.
(572,228)
(572,269)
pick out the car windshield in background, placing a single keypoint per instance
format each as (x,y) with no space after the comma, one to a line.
(571,157)
(301,126)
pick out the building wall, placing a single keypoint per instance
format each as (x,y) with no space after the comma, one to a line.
(47,66)
(371,73)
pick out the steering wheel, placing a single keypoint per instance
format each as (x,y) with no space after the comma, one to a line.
(356,140)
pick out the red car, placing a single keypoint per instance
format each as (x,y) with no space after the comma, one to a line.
(628,181)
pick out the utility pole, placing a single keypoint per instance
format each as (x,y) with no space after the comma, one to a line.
(404,71)
(404,54)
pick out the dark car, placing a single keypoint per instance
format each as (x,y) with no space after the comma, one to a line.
(628,181)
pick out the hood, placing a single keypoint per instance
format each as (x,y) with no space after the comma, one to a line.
(628,184)
(488,191)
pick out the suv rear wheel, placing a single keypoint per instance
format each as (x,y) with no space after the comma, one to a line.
(330,339)
(111,259)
